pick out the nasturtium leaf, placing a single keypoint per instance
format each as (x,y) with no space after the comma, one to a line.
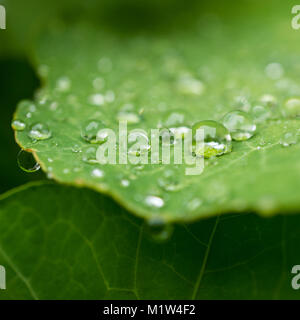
(201,72)
(59,242)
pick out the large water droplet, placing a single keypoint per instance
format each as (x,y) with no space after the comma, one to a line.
(63,84)
(240,125)
(90,131)
(159,230)
(289,139)
(217,139)
(27,162)
(18,125)
(97,99)
(291,107)
(39,131)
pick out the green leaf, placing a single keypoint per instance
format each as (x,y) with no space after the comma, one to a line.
(223,61)
(60,242)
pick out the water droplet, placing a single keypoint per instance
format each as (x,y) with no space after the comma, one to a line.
(110,96)
(63,84)
(89,155)
(66,171)
(98,83)
(39,131)
(166,137)
(154,202)
(27,162)
(289,139)
(159,230)
(194,204)
(90,131)
(189,85)
(76,148)
(261,114)
(18,125)
(217,139)
(140,137)
(97,99)
(105,65)
(268,100)
(130,117)
(97,173)
(291,107)
(240,125)
(170,181)
(125,183)
(173,119)
(274,71)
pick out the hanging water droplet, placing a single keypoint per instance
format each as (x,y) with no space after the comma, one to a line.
(39,131)
(240,125)
(27,162)
(291,107)
(261,114)
(18,125)
(170,181)
(89,155)
(289,139)
(90,131)
(217,139)
(154,202)
(274,71)
(97,173)
(159,230)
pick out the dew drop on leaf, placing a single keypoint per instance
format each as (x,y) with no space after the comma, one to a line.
(89,155)
(26,162)
(217,139)
(240,125)
(154,202)
(90,131)
(39,131)
(169,181)
(18,125)
(291,107)
(261,114)
(97,173)
(289,139)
